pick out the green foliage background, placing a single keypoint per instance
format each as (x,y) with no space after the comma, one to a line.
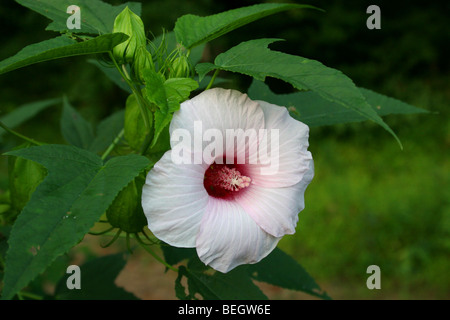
(369,203)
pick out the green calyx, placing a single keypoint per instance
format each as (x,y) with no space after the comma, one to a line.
(143,61)
(180,68)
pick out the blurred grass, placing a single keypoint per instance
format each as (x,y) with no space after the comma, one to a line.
(370,202)
(374,204)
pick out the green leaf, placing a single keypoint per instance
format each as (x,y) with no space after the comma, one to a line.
(218,82)
(205,67)
(78,132)
(155,90)
(385,105)
(96,285)
(25,112)
(74,128)
(97,17)
(161,138)
(77,191)
(174,255)
(112,74)
(167,94)
(60,47)
(234,285)
(279,269)
(162,122)
(180,292)
(178,90)
(192,30)
(107,130)
(255,59)
(313,110)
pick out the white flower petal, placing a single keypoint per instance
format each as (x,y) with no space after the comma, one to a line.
(246,227)
(174,201)
(288,156)
(228,237)
(276,210)
(216,110)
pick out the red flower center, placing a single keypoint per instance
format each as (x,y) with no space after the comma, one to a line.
(224,181)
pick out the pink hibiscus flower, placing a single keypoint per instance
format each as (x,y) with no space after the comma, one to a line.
(231,201)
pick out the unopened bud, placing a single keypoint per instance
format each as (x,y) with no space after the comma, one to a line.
(143,61)
(180,68)
(131,24)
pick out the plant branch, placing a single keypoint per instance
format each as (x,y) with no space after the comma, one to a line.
(212,79)
(123,72)
(113,144)
(101,232)
(116,236)
(5,127)
(158,258)
(29,295)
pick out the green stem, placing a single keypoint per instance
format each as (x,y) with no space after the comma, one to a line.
(113,239)
(113,144)
(127,80)
(142,107)
(123,72)
(29,295)
(147,244)
(152,241)
(128,243)
(113,234)
(20,135)
(101,232)
(212,79)
(159,259)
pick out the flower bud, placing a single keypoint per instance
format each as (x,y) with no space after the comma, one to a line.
(25,175)
(126,211)
(143,61)
(131,24)
(180,68)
